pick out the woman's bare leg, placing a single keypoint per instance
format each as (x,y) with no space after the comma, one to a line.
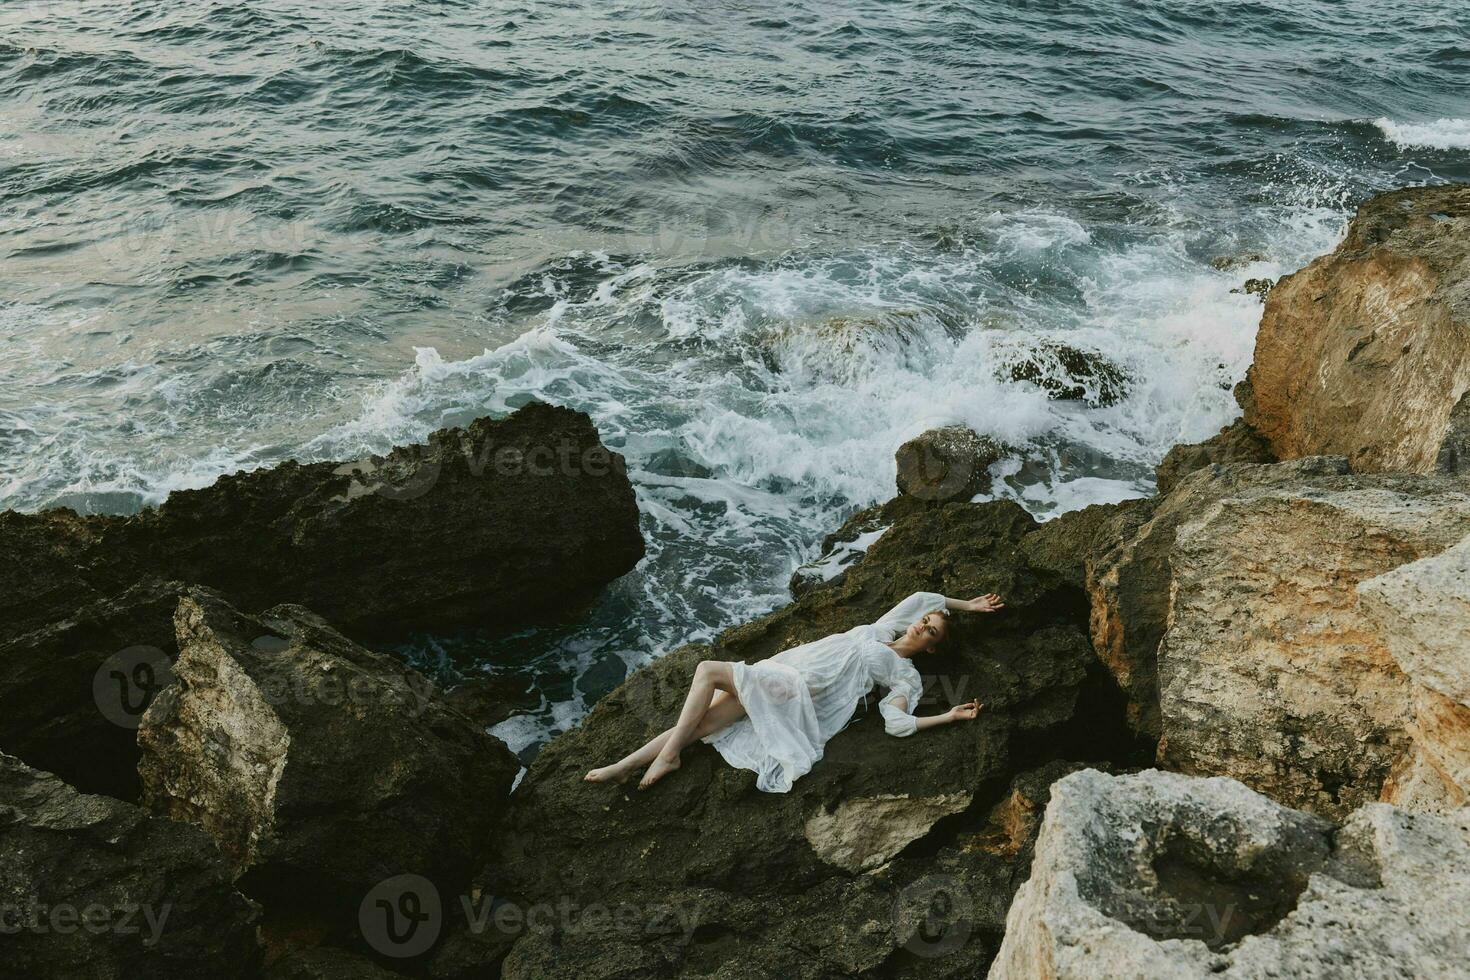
(724,709)
(710,676)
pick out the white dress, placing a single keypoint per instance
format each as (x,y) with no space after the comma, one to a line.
(798,699)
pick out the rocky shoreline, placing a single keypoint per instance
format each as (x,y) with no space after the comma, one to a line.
(1227,728)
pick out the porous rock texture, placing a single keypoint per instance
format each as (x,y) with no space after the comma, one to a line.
(1365,353)
(1159,874)
(892,857)
(95,887)
(497,524)
(320,768)
(1269,671)
(1422,611)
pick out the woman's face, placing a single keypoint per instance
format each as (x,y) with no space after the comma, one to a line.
(929,631)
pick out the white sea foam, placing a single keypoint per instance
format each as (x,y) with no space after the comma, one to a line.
(1441,134)
(785,388)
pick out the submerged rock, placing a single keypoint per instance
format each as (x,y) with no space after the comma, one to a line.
(1070,373)
(1366,352)
(1163,875)
(501,523)
(1256,287)
(95,887)
(900,853)
(320,768)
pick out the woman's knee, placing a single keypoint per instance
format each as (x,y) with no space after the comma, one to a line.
(715,672)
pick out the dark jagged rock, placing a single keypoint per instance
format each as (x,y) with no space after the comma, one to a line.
(1256,287)
(718,879)
(1070,373)
(499,524)
(94,887)
(487,701)
(845,546)
(319,767)
(322,963)
(1063,544)
(950,463)
(74,690)
(1235,443)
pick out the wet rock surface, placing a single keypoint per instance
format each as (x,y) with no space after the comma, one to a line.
(319,767)
(73,691)
(1071,373)
(95,887)
(951,463)
(479,525)
(751,873)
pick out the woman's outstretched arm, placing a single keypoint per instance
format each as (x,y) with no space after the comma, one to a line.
(989,602)
(960,712)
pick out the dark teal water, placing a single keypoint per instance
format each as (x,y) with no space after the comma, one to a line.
(760,243)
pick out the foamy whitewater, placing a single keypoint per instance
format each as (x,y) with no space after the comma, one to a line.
(761,247)
(1442,134)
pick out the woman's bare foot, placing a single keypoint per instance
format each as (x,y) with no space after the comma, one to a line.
(661,767)
(615,773)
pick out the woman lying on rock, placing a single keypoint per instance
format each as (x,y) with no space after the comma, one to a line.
(775,717)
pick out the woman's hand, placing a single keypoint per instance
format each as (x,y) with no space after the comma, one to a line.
(984,603)
(964,712)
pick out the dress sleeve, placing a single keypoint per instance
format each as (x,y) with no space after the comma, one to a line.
(903,682)
(916,606)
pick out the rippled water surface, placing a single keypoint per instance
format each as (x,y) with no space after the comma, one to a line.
(760,243)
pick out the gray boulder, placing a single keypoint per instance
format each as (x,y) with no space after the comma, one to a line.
(1163,875)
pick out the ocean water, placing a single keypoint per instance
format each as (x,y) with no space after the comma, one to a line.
(761,244)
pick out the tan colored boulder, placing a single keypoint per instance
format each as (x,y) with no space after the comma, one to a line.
(1127,570)
(1422,610)
(1269,671)
(1163,875)
(1366,352)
